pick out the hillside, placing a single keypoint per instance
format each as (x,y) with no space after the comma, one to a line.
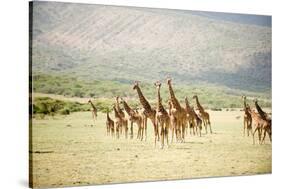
(93,42)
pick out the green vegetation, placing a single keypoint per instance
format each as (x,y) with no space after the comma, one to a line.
(103,92)
(49,106)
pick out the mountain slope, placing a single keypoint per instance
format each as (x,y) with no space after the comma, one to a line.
(127,43)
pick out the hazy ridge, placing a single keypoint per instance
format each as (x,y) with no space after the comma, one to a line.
(125,44)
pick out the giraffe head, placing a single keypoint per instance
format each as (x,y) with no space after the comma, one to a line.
(89,101)
(136,84)
(195,96)
(117,99)
(169,80)
(243,97)
(157,84)
(186,99)
(122,100)
(255,101)
(114,106)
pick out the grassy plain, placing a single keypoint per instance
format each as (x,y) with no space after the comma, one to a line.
(73,150)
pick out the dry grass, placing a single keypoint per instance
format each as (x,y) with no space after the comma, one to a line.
(69,151)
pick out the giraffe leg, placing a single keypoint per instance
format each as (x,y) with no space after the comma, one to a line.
(209,123)
(199,128)
(117,130)
(205,125)
(259,133)
(155,133)
(132,132)
(248,131)
(183,131)
(139,131)
(264,134)
(126,128)
(255,130)
(172,135)
(162,134)
(167,134)
(145,127)
(142,126)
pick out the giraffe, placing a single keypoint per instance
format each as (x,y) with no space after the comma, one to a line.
(134,117)
(162,116)
(191,117)
(247,117)
(109,124)
(265,117)
(120,112)
(179,113)
(259,125)
(120,122)
(198,121)
(94,110)
(147,110)
(203,114)
(173,120)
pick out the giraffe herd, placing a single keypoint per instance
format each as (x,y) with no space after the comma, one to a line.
(176,120)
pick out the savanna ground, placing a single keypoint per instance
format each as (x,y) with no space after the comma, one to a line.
(73,150)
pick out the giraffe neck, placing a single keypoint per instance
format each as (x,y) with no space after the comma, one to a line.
(127,108)
(116,113)
(174,100)
(142,99)
(194,113)
(170,108)
(199,105)
(187,106)
(117,105)
(107,115)
(160,107)
(245,104)
(93,106)
(260,111)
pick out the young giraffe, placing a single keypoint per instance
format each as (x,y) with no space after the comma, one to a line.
(134,117)
(198,121)
(247,117)
(191,117)
(147,110)
(179,113)
(109,125)
(173,120)
(162,116)
(121,113)
(94,110)
(120,122)
(203,114)
(258,125)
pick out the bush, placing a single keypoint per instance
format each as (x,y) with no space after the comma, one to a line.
(64,111)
